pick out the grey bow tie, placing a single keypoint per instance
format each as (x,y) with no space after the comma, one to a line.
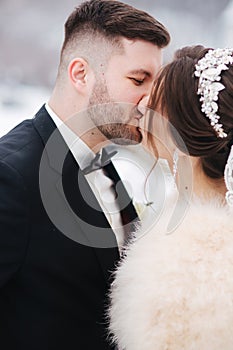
(101,159)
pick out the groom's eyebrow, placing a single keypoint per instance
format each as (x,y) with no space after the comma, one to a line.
(140,71)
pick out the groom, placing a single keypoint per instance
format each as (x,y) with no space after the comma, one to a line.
(58,246)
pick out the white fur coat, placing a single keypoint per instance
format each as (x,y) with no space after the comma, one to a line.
(175,292)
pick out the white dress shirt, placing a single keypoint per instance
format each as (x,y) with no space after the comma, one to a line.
(100,184)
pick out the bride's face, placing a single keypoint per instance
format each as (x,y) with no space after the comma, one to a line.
(155,131)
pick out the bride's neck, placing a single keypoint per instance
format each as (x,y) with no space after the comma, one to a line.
(205,187)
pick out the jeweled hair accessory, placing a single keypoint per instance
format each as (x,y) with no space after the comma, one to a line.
(208,70)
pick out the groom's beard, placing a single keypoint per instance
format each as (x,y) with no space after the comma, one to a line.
(116,121)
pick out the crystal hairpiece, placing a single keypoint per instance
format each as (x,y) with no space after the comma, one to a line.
(208,70)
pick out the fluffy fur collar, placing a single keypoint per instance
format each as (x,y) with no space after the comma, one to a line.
(175,292)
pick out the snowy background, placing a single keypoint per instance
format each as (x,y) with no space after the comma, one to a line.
(31,34)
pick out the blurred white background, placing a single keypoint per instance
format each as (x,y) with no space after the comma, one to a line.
(31,34)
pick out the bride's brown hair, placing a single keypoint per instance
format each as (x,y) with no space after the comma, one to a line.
(174,94)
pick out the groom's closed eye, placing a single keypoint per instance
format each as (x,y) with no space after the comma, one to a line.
(137,81)
(140,76)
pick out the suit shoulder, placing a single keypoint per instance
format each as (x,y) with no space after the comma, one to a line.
(17,138)
(21,146)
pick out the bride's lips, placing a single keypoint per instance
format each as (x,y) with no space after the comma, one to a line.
(137,113)
(142,108)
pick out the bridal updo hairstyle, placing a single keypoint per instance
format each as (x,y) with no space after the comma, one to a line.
(174,95)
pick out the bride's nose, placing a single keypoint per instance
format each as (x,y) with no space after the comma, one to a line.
(142,106)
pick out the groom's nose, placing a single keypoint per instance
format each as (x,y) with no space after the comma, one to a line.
(142,106)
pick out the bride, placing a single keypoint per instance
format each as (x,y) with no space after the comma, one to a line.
(175,291)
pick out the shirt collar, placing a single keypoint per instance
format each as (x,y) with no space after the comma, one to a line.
(81,152)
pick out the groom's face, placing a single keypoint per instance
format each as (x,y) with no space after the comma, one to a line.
(121,88)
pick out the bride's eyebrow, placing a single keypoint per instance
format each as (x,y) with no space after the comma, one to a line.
(140,71)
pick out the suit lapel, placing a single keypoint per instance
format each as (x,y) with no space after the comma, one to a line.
(81,207)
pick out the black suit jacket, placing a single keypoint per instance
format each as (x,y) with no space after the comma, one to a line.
(55,266)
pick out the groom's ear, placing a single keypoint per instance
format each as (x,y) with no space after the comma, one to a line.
(78,71)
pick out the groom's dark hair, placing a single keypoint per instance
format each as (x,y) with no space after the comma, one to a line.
(107,21)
